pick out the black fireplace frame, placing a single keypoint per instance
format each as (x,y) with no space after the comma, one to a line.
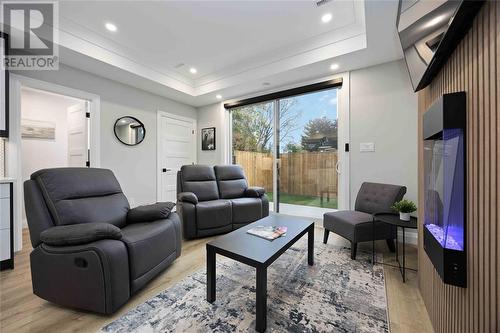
(448,112)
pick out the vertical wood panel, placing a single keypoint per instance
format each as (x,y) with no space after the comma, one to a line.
(473,68)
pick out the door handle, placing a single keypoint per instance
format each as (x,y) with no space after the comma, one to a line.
(337,167)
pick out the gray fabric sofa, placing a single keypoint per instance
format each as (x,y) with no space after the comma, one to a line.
(215,200)
(356,225)
(91,251)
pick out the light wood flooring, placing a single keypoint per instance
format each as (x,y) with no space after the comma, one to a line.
(21,311)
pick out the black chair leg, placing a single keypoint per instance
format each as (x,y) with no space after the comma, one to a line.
(325,236)
(354,248)
(390,245)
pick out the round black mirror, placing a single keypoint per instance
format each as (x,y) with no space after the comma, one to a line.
(130,130)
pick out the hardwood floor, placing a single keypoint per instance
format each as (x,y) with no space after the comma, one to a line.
(21,311)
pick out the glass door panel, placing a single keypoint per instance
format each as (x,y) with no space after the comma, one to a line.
(307,153)
(253,142)
(291,144)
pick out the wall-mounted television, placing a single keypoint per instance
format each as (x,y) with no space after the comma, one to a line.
(429,32)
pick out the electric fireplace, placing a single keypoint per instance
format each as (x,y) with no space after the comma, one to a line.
(444,129)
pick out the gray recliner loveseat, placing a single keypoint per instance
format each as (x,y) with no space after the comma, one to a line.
(91,251)
(215,200)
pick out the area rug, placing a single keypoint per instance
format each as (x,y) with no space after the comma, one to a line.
(337,294)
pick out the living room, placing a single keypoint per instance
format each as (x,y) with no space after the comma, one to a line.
(279,166)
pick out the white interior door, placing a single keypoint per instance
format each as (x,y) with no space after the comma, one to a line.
(78,135)
(176,147)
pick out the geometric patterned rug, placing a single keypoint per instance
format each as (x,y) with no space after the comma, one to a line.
(337,294)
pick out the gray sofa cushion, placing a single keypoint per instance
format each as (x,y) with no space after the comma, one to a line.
(82,195)
(199,179)
(344,222)
(356,226)
(76,234)
(375,198)
(148,213)
(231,181)
(148,244)
(213,214)
(246,210)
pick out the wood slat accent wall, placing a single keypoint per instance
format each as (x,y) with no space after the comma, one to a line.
(474,67)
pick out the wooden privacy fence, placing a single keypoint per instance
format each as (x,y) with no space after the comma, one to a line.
(301,173)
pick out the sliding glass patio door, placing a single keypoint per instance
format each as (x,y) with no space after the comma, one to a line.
(290,146)
(308,154)
(253,142)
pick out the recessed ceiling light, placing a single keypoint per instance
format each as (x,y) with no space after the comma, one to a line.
(111,27)
(218,96)
(326,18)
(193,70)
(334,67)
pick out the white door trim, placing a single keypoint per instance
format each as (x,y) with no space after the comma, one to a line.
(159,114)
(13,158)
(343,109)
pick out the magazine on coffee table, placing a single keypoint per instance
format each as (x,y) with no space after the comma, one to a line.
(268,232)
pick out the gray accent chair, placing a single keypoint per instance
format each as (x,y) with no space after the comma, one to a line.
(91,251)
(356,225)
(216,200)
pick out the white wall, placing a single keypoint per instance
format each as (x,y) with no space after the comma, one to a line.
(214,116)
(39,154)
(383,110)
(135,167)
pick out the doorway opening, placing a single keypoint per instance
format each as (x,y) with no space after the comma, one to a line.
(54,132)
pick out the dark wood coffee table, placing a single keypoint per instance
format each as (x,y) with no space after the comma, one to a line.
(259,253)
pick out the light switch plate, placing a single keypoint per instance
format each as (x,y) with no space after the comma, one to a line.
(367,147)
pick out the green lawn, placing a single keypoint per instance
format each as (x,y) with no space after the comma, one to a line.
(305,200)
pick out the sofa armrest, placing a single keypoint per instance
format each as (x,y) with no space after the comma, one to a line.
(188,197)
(149,213)
(187,214)
(255,192)
(76,234)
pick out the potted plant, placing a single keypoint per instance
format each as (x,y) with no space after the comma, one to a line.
(404,207)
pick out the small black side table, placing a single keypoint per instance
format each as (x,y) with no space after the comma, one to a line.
(394,220)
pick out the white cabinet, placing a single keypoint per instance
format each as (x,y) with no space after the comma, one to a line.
(4,245)
(4,213)
(4,191)
(6,226)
